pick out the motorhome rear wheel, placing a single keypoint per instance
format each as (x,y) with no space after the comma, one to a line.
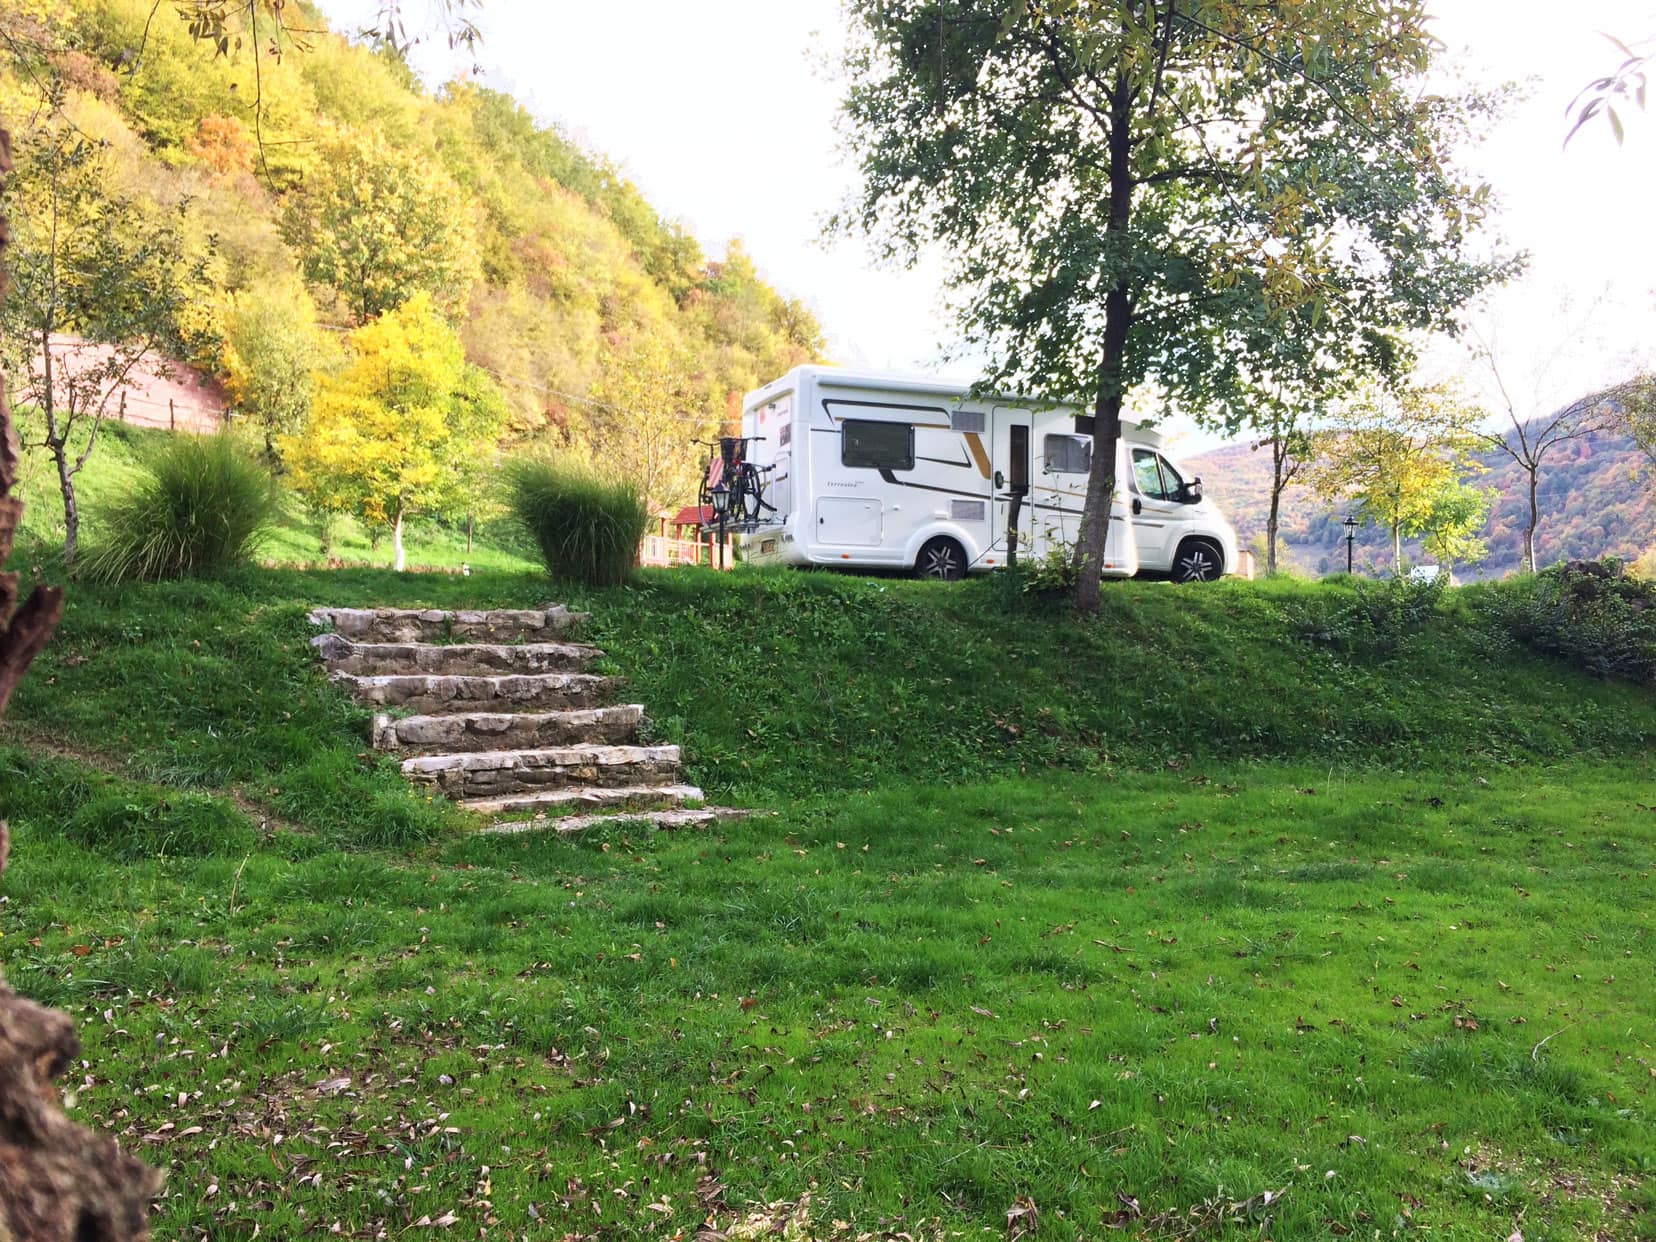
(941,558)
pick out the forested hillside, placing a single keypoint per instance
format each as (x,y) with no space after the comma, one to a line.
(1597,496)
(317,185)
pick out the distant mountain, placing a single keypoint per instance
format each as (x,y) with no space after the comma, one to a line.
(1598,498)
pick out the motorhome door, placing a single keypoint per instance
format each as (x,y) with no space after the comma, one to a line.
(1010,458)
(1063,460)
(1158,517)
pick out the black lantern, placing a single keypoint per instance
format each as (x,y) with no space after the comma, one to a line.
(721,501)
(1350,525)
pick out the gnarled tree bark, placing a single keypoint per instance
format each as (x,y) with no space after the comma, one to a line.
(59,1182)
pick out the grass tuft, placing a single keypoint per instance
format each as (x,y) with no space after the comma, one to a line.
(587,526)
(145,823)
(197,503)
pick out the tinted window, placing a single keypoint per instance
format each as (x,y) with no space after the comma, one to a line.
(1146,475)
(1172,480)
(1067,454)
(877,446)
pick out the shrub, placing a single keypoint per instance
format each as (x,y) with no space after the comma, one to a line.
(197,504)
(587,526)
(1592,614)
(1375,618)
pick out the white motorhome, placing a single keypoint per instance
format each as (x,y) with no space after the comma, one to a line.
(870,471)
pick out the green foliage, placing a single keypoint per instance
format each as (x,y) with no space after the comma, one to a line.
(272,351)
(378,224)
(1131,196)
(1401,456)
(1376,618)
(587,525)
(1591,614)
(198,504)
(1451,524)
(1052,574)
(1596,499)
(556,270)
(87,260)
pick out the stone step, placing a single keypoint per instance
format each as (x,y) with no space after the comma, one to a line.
(506,730)
(342,655)
(678,817)
(432,695)
(495,773)
(416,625)
(558,802)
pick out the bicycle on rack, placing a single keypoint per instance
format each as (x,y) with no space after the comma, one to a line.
(732,487)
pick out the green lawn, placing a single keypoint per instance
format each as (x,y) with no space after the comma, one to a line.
(1411,1003)
(1244,889)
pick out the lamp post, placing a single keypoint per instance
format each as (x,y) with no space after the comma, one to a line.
(1350,525)
(721,508)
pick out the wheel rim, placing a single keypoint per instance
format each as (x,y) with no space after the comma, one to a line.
(941,562)
(1197,565)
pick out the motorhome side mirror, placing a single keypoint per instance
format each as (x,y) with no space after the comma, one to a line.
(1191,492)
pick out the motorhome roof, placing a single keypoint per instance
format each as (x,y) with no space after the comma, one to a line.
(844,377)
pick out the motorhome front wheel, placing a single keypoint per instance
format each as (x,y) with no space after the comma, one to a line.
(1197,561)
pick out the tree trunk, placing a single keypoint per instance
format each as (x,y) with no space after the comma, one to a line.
(1271,525)
(1397,547)
(1534,521)
(399,560)
(58,1182)
(1118,317)
(71,508)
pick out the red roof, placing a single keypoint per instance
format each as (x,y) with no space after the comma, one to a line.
(694,515)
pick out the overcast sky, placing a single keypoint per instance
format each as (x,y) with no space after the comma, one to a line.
(723,112)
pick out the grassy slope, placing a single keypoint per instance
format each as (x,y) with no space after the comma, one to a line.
(294,540)
(1336,856)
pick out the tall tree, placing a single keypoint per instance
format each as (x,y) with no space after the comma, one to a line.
(406,427)
(378,225)
(99,285)
(1399,456)
(272,352)
(1125,190)
(1631,407)
(59,1182)
(647,408)
(1529,434)
(1450,526)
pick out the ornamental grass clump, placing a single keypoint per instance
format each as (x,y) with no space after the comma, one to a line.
(199,503)
(586,525)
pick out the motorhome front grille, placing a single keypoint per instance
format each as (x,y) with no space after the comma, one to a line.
(966,510)
(969,421)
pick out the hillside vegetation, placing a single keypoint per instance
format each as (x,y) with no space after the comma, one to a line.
(1597,497)
(584,302)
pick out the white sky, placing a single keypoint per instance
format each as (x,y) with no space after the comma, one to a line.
(723,112)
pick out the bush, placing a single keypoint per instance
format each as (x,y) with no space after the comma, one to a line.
(1375,618)
(587,526)
(1592,614)
(197,504)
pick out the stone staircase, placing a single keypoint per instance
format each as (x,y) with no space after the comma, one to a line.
(498,711)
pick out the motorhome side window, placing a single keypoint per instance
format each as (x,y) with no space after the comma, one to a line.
(877,446)
(1067,454)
